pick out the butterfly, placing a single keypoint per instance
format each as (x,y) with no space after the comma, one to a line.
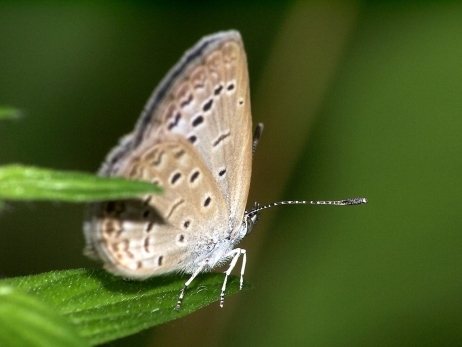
(194,139)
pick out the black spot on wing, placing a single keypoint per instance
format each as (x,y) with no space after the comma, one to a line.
(218,90)
(187,101)
(175,121)
(197,121)
(194,176)
(175,178)
(208,105)
(220,139)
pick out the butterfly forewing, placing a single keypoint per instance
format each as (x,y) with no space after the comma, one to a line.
(209,104)
(194,140)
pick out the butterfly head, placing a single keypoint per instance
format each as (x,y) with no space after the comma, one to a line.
(250,219)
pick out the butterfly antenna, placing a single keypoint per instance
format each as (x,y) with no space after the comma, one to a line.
(345,202)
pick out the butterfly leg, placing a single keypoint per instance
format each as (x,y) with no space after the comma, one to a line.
(256,136)
(235,253)
(188,282)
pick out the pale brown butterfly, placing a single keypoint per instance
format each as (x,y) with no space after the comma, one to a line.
(194,140)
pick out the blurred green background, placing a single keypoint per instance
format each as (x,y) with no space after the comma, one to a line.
(358,99)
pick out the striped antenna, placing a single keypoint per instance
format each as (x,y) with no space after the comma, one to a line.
(346,202)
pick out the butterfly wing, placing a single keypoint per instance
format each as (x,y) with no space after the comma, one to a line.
(194,140)
(209,90)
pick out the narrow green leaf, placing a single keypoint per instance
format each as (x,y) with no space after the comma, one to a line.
(9,113)
(19,182)
(25,321)
(105,307)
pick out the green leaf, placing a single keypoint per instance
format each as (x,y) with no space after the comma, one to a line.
(25,321)
(9,113)
(104,307)
(19,182)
